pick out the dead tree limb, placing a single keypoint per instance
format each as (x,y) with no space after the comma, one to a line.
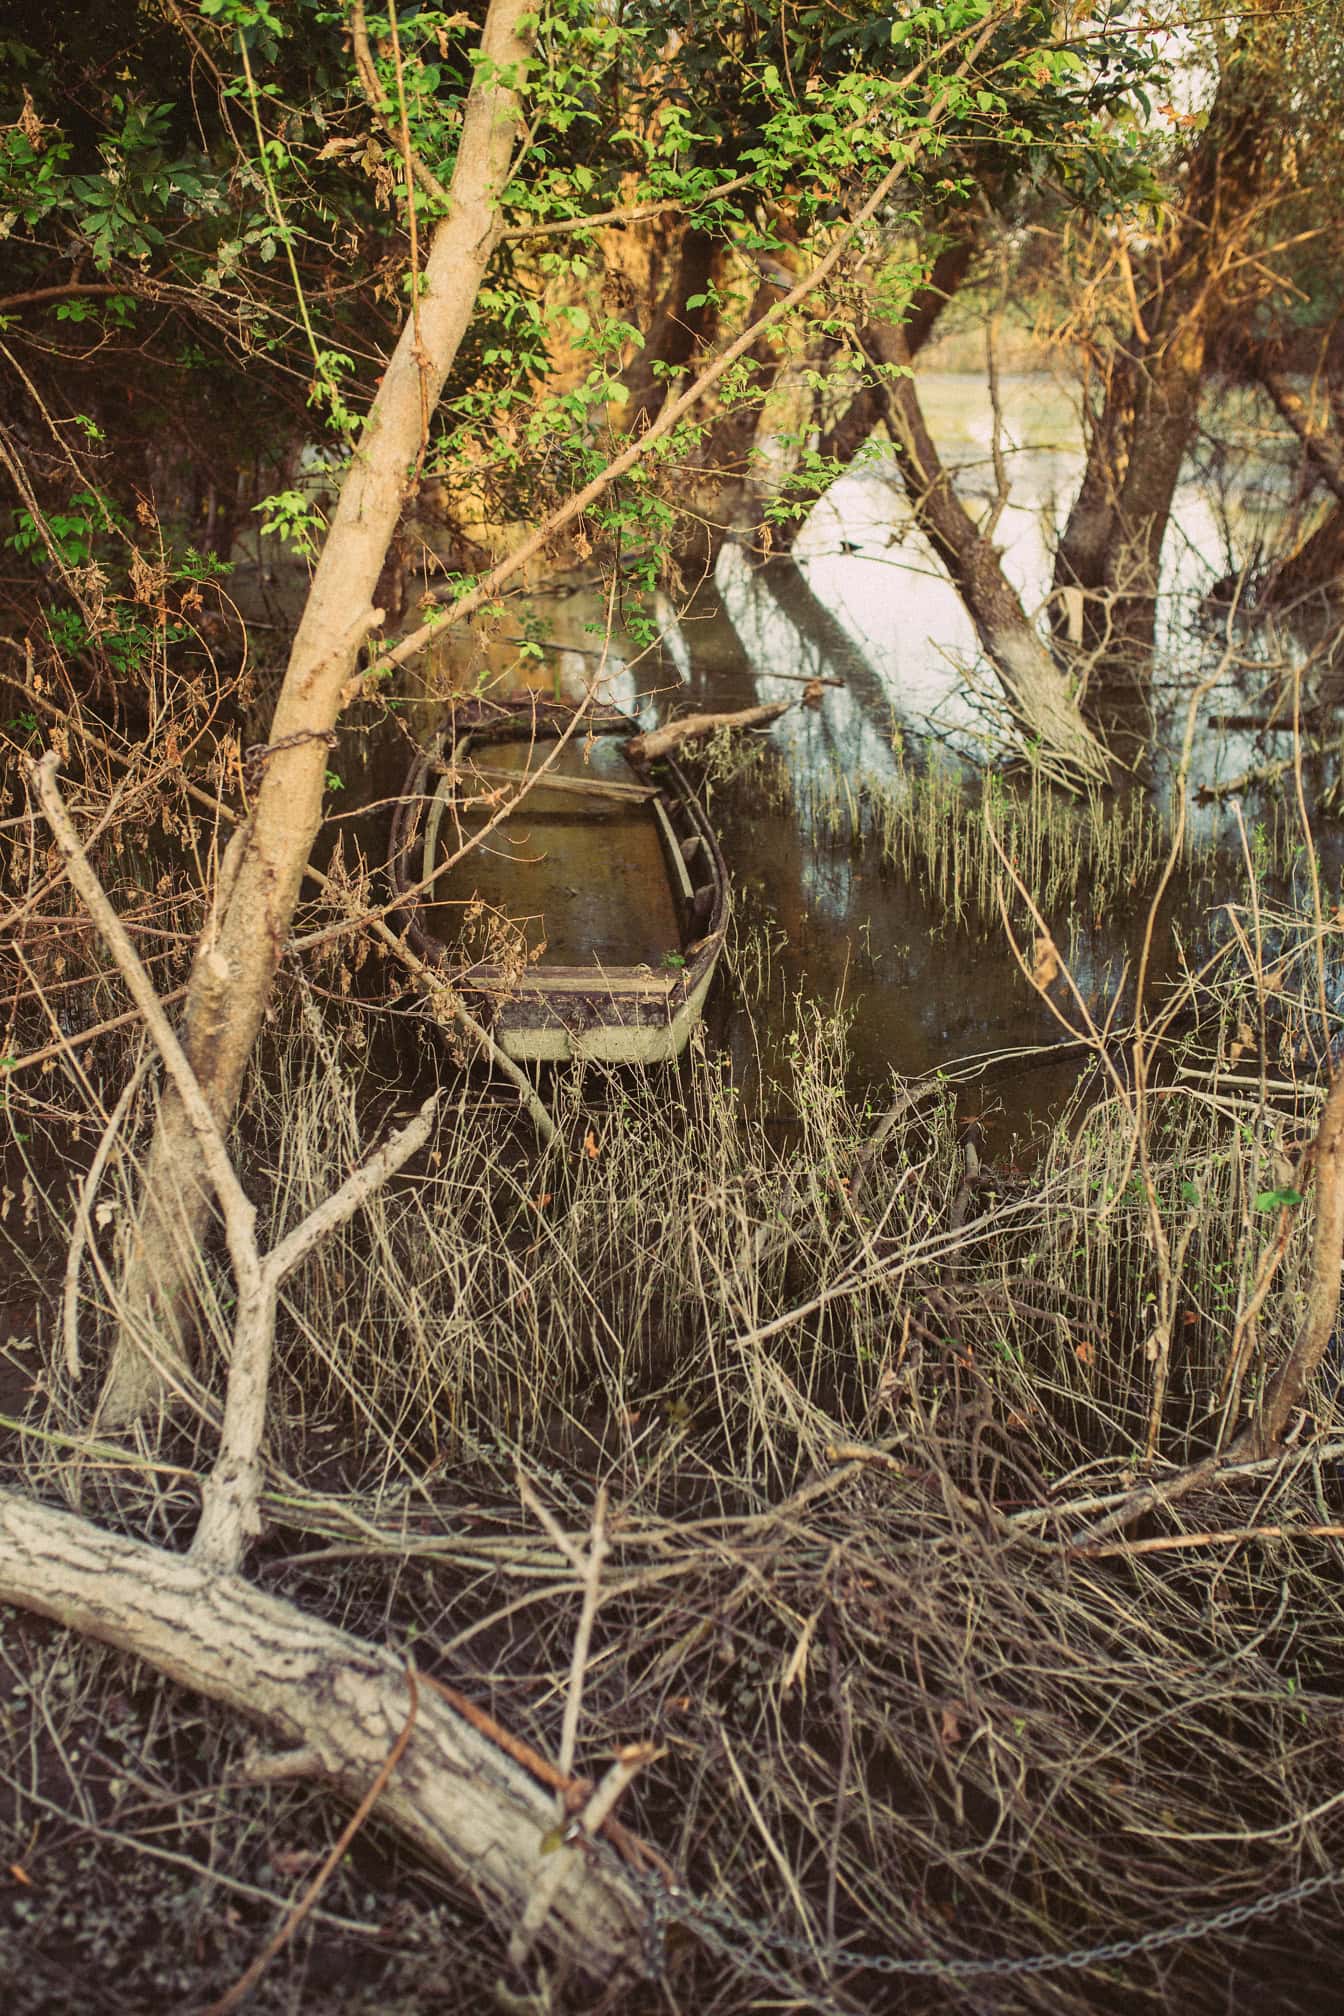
(279,1939)
(695,727)
(229,1516)
(338,1704)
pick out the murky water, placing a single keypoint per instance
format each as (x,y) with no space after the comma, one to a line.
(581,879)
(867,608)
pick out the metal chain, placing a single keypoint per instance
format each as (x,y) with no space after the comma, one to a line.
(258,754)
(671,1905)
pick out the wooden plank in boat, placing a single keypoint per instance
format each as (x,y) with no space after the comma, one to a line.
(549,780)
(551,980)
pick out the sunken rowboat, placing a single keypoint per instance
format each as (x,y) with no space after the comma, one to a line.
(606,869)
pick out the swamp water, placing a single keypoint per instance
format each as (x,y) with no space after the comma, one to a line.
(582,879)
(611,1332)
(864,878)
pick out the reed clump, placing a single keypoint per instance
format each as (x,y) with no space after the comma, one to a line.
(927,824)
(935,824)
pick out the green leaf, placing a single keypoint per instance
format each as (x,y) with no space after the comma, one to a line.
(1277,1200)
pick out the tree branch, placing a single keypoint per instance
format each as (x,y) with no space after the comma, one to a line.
(676,410)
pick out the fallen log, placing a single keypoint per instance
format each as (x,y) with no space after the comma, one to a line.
(338,1705)
(694,727)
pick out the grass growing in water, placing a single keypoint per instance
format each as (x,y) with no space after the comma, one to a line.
(930,827)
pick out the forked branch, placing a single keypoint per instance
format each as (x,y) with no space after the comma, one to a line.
(229,1516)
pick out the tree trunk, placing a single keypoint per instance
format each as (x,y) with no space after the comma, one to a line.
(1111,548)
(676,331)
(1036,689)
(717,478)
(1163,426)
(1315,569)
(1310,421)
(267,859)
(337,1704)
(867,410)
(1080,557)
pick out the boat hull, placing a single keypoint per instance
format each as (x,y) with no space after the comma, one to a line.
(601,1010)
(541,1029)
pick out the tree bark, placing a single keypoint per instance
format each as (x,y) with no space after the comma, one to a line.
(1324,450)
(716,478)
(338,1704)
(867,410)
(676,331)
(1163,426)
(1080,557)
(267,859)
(1315,569)
(1112,545)
(1036,689)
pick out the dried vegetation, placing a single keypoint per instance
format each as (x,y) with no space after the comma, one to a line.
(869,1419)
(858,1450)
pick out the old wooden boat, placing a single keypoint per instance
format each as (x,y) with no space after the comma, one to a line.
(608,872)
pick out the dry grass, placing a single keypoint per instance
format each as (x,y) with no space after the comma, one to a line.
(848,1435)
(894,1710)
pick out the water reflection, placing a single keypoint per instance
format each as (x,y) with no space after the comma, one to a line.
(867,606)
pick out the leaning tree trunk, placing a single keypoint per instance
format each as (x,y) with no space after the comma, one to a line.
(1312,420)
(1165,412)
(1111,548)
(1084,544)
(239,955)
(337,1705)
(716,478)
(1316,565)
(867,410)
(1315,570)
(1038,692)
